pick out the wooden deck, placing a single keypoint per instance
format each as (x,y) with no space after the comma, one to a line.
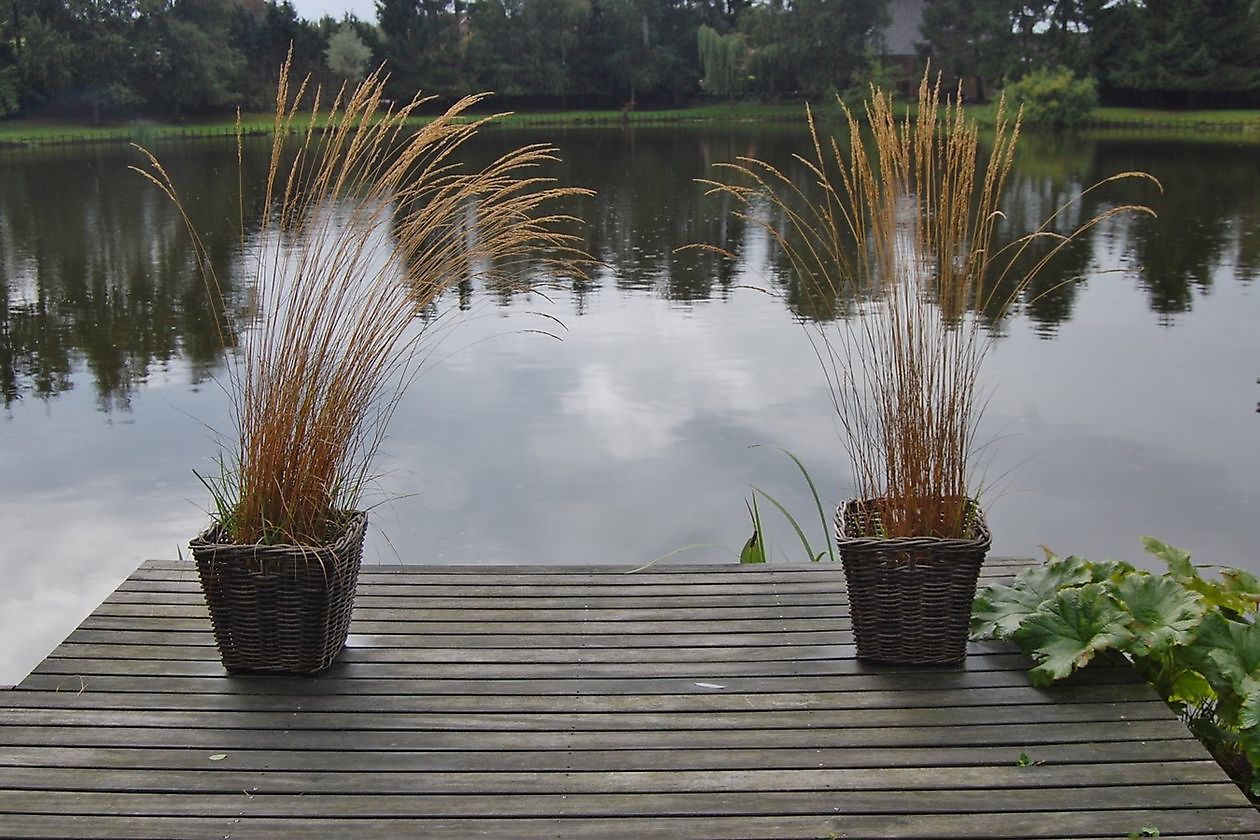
(681,702)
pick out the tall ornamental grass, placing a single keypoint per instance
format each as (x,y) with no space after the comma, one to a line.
(363,225)
(906,222)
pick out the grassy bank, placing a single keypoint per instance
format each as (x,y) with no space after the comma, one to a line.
(24,132)
(1233,120)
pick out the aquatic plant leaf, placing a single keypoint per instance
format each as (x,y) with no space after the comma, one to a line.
(1243,584)
(1186,687)
(1056,574)
(1248,733)
(754,550)
(1227,652)
(818,505)
(1110,571)
(998,610)
(800,532)
(1177,559)
(1249,714)
(1164,612)
(1237,593)
(1068,631)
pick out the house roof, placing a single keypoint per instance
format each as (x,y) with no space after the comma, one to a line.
(902,32)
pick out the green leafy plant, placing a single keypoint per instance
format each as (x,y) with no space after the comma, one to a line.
(756,549)
(1194,638)
(366,221)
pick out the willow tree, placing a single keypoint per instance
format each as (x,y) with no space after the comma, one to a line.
(724,59)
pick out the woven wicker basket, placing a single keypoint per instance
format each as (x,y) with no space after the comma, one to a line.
(280,608)
(910,598)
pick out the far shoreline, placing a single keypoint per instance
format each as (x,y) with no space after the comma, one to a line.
(27,132)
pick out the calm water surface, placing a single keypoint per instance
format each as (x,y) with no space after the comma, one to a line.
(1123,404)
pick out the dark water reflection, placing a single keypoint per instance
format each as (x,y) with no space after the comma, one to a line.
(1125,399)
(95,267)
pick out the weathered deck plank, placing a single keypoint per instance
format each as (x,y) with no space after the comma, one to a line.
(691,702)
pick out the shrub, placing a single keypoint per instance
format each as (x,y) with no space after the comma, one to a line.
(1054,97)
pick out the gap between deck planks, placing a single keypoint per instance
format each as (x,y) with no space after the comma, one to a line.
(681,701)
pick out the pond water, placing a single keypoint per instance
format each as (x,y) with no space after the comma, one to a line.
(1123,403)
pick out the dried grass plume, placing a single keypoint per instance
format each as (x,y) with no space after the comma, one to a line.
(367,219)
(907,222)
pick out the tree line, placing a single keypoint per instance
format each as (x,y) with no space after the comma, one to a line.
(175,58)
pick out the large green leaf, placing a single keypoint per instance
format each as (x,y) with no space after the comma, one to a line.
(1185,687)
(1228,653)
(999,610)
(1249,731)
(1237,593)
(1249,715)
(1164,612)
(1177,559)
(1110,571)
(1245,586)
(1068,631)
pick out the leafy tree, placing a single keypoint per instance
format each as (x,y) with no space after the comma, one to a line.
(265,34)
(724,59)
(1061,31)
(813,46)
(188,59)
(423,44)
(8,91)
(1181,52)
(972,40)
(632,50)
(721,15)
(44,61)
(103,33)
(347,56)
(525,47)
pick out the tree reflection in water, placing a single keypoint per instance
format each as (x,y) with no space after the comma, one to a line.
(99,284)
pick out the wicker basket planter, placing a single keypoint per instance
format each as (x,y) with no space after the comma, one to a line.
(280,608)
(910,598)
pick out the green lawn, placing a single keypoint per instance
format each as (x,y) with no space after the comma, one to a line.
(1232,119)
(41,132)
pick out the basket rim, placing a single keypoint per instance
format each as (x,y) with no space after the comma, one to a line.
(982,540)
(210,538)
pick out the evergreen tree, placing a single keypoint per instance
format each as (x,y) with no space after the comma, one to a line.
(1181,52)
(525,47)
(191,62)
(423,43)
(813,46)
(972,40)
